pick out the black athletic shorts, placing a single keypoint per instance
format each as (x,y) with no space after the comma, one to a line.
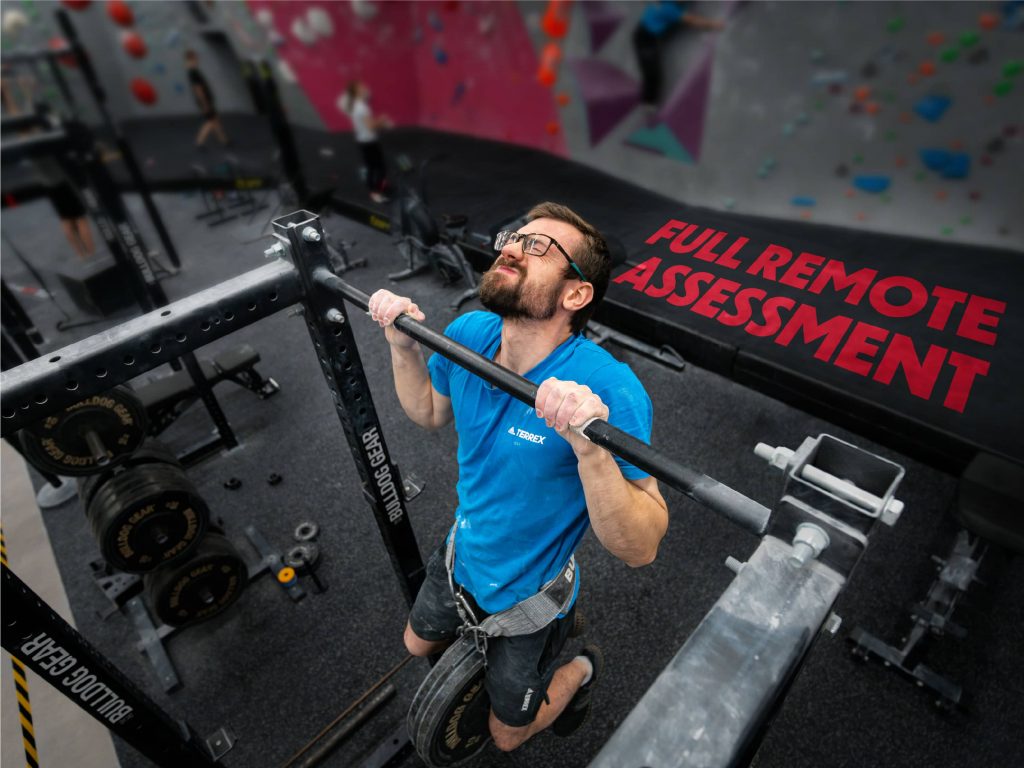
(66,201)
(519,669)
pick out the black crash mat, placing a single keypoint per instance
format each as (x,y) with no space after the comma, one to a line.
(911,342)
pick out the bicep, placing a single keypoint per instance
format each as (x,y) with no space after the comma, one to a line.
(442,409)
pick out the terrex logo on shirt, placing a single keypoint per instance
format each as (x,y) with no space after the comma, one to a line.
(524,435)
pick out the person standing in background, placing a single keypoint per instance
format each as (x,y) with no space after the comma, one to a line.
(657,21)
(204,100)
(355,103)
(68,205)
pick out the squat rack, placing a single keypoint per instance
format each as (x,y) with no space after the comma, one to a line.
(778,611)
(73,145)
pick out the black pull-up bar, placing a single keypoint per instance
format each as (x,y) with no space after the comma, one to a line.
(705,490)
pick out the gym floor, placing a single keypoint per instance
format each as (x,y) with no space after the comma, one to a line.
(276,672)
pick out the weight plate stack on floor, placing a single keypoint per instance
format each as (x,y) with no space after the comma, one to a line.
(200,586)
(146,515)
(152,452)
(448,717)
(91,435)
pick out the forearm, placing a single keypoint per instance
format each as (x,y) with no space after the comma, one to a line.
(629,522)
(700,22)
(412,383)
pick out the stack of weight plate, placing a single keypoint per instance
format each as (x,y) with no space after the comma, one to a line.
(148,518)
(146,515)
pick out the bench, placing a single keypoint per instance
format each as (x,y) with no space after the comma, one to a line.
(166,398)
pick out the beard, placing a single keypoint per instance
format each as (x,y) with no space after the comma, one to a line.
(513,299)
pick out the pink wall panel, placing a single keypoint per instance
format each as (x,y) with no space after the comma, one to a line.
(477,73)
(377,50)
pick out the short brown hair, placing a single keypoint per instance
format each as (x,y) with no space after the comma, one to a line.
(592,257)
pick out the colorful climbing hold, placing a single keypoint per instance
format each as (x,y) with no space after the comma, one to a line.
(143,91)
(969,38)
(803,202)
(563,99)
(936,38)
(872,184)
(895,25)
(950,55)
(935,159)
(978,56)
(873,107)
(133,43)
(932,107)
(1012,68)
(996,145)
(926,68)
(988,21)
(1003,87)
(119,11)
(862,93)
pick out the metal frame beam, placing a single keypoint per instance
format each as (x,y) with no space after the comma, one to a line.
(94,365)
(53,649)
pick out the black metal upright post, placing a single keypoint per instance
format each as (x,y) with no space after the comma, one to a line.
(335,346)
(115,226)
(92,83)
(53,649)
(290,162)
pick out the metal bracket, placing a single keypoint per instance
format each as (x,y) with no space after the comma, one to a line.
(412,486)
(151,643)
(220,742)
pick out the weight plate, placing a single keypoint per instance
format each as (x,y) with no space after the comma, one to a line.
(306,531)
(448,718)
(199,587)
(147,515)
(111,426)
(302,557)
(152,452)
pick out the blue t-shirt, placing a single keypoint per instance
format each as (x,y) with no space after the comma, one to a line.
(521,510)
(658,17)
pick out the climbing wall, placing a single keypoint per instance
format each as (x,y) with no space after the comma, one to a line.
(897,117)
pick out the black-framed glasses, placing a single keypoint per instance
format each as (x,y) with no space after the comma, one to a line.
(535,244)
